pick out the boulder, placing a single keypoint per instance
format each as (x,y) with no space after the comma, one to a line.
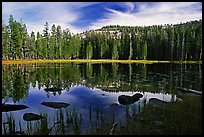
(32,117)
(125,100)
(136,97)
(11,107)
(56,105)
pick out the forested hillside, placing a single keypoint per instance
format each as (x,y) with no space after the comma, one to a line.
(158,42)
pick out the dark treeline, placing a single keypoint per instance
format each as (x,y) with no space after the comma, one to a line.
(158,42)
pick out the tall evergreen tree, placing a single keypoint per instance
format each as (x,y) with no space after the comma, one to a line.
(53,39)
(32,46)
(46,38)
(38,44)
(25,40)
(59,42)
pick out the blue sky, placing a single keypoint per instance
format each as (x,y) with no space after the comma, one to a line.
(82,16)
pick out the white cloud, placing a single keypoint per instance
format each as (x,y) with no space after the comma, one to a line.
(130,6)
(152,14)
(58,13)
(65,13)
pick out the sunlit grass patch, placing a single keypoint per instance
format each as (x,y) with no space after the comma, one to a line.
(94,61)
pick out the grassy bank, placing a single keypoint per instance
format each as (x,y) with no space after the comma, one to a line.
(179,118)
(95,61)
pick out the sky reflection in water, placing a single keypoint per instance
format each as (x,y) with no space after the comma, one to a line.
(80,97)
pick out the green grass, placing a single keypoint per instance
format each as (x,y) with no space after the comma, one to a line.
(93,61)
(184,118)
(179,118)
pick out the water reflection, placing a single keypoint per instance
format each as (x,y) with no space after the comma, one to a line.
(93,89)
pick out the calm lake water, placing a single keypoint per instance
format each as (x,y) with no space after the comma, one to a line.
(90,89)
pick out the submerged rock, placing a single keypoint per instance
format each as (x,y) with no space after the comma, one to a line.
(57,105)
(53,89)
(126,100)
(11,107)
(32,117)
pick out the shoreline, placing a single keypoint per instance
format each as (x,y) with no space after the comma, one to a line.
(94,61)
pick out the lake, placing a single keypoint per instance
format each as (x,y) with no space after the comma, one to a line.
(92,90)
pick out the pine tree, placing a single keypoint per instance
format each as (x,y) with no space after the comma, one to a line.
(133,44)
(145,50)
(32,46)
(25,40)
(46,38)
(67,48)
(53,47)
(17,40)
(59,42)
(38,44)
(6,40)
(11,32)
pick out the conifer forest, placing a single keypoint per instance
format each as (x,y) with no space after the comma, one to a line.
(158,42)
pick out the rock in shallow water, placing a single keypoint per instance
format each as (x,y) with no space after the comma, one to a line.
(53,89)
(11,107)
(126,100)
(31,117)
(56,105)
(136,97)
